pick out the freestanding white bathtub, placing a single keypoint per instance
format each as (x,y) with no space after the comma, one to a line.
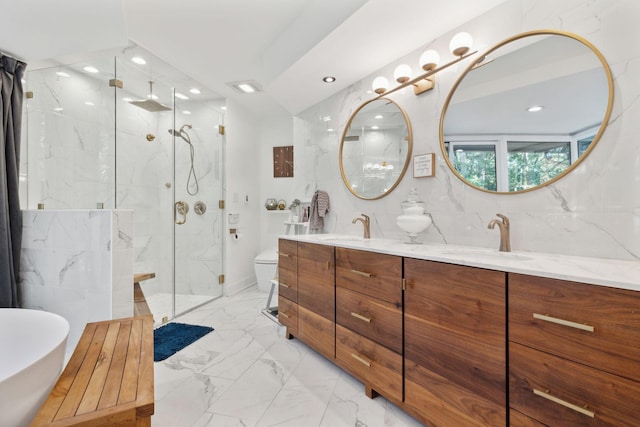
(32,348)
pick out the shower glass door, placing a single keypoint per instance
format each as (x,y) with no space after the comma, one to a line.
(169,171)
(198,184)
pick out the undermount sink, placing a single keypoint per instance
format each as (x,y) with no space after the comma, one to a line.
(340,238)
(485,253)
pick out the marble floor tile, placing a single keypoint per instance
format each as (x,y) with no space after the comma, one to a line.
(247,374)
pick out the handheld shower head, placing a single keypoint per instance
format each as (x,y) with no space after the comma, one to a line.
(181,133)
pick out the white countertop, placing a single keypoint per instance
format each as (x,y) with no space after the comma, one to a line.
(597,271)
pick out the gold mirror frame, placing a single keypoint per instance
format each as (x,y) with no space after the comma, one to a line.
(407,160)
(479,60)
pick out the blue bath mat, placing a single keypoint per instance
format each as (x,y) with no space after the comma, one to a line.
(173,337)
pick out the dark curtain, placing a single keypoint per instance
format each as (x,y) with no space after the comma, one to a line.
(11,95)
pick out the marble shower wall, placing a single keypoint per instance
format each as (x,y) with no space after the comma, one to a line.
(85,144)
(593,211)
(78,264)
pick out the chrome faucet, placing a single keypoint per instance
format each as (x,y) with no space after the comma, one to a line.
(366,222)
(505,245)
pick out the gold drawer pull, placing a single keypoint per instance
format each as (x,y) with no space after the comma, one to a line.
(361,359)
(546,395)
(362,273)
(284,284)
(563,322)
(361,317)
(284,314)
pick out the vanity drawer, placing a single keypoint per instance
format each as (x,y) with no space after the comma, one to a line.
(374,274)
(438,402)
(288,255)
(317,332)
(316,279)
(376,366)
(594,325)
(559,392)
(288,284)
(517,419)
(377,320)
(467,300)
(288,315)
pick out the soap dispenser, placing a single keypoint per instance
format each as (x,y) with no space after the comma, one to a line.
(414,219)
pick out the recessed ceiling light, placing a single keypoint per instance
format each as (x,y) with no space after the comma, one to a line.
(378,116)
(330,130)
(58,109)
(375,127)
(195,91)
(187,112)
(181,96)
(62,74)
(329,79)
(90,69)
(326,119)
(247,86)
(89,103)
(224,107)
(535,108)
(138,60)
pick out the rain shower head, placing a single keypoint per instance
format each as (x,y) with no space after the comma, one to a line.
(150,104)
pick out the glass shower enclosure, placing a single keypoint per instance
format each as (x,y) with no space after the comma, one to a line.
(105,132)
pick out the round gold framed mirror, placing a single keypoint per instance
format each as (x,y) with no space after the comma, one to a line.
(527,112)
(375,149)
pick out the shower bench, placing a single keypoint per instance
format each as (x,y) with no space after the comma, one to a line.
(108,380)
(140,306)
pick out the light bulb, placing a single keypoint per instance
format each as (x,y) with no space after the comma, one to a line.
(429,60)
(402,73)
(380,85)
(461,43)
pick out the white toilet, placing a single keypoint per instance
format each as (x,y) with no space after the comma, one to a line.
(266,268)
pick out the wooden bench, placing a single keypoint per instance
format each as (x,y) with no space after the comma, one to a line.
(108,380)
(140,306)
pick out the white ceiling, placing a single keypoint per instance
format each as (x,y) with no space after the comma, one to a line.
(287,46)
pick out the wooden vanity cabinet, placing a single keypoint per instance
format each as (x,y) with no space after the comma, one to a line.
(574,352)
(316,297)
(455,344)
(288,286)
(369,320)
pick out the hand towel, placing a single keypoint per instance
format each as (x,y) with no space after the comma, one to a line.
(319,209)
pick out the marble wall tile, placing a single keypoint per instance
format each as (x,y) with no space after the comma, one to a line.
(592,211)
(78,264)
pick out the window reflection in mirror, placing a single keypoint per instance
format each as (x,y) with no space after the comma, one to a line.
(491,139)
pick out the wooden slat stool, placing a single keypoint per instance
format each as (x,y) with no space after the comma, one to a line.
(108,380)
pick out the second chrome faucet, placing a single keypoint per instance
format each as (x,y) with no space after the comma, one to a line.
(366,222)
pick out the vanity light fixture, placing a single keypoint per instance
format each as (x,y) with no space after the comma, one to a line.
(380,85)
(460,46)
(461,43)
(329,79)
(402,73)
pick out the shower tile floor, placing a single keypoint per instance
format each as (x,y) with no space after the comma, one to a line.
(245,373)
